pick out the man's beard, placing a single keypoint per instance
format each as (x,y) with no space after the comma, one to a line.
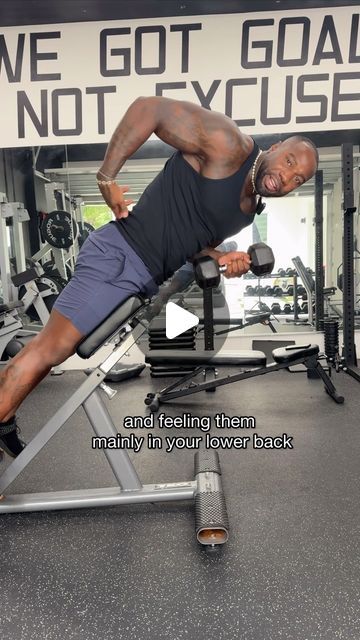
(261,190)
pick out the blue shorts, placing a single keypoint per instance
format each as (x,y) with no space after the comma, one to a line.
(107,272)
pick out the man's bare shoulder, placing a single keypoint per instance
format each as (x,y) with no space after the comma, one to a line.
(228,147)
(231,141)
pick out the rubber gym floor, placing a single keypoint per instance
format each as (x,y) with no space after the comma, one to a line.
(289,571)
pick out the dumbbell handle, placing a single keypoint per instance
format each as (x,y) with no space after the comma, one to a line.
(256,267)
(223,268)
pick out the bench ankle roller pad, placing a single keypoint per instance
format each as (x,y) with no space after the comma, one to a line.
(289,355)
(211,519)
(110,326)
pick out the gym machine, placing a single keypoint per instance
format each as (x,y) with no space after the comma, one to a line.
(211,520)
(315,292)
(314,287)
(35,289)
(347,361)
(12,215)
(37,292)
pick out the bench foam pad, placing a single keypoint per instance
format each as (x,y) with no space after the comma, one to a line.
(110,326)
(241,358)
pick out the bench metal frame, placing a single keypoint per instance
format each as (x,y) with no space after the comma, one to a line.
(211,522)
(173,391)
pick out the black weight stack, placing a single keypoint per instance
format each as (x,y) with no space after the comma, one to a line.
(331,338)
(158,340)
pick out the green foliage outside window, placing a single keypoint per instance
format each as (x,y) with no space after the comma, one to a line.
(97,214)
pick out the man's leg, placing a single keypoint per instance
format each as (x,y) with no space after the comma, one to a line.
(107,272)
(54,344)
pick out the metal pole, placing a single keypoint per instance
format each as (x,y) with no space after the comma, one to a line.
(319,252)
(348,254)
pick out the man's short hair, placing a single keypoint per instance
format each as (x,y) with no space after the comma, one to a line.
(311,144)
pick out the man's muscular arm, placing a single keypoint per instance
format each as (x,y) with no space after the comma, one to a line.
(185,126)
(212,137)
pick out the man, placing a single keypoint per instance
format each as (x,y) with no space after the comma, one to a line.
(207,191)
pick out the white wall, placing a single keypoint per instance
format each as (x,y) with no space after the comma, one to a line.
(290,230)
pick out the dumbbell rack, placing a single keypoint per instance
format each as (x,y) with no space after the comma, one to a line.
(294,295)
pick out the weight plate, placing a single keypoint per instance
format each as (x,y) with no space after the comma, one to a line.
(84,234)
(51,282)
(52,271)
(59,229)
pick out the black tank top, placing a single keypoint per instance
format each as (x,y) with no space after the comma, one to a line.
(181,212)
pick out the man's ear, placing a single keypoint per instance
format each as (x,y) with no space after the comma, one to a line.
(275,146)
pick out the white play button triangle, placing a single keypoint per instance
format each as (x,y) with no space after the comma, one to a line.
(178,320)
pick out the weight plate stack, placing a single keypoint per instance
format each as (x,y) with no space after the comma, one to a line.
(158,340)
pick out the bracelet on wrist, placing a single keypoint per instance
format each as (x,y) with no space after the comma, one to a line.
(105,175)
(105,182)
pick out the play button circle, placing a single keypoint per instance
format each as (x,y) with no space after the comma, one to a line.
(178,320)
(180,324)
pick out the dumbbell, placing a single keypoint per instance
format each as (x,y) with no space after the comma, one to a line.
(250,290)
(259,290)
(282,273)
(262,260)
(275,308)
(290,290)
(301,289)
(207,270)
(287,307)
(269,291)
(290,272)
(277,291)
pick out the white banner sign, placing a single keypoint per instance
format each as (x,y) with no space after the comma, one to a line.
(286,72)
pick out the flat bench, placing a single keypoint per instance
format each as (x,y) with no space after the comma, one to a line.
(284,357)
